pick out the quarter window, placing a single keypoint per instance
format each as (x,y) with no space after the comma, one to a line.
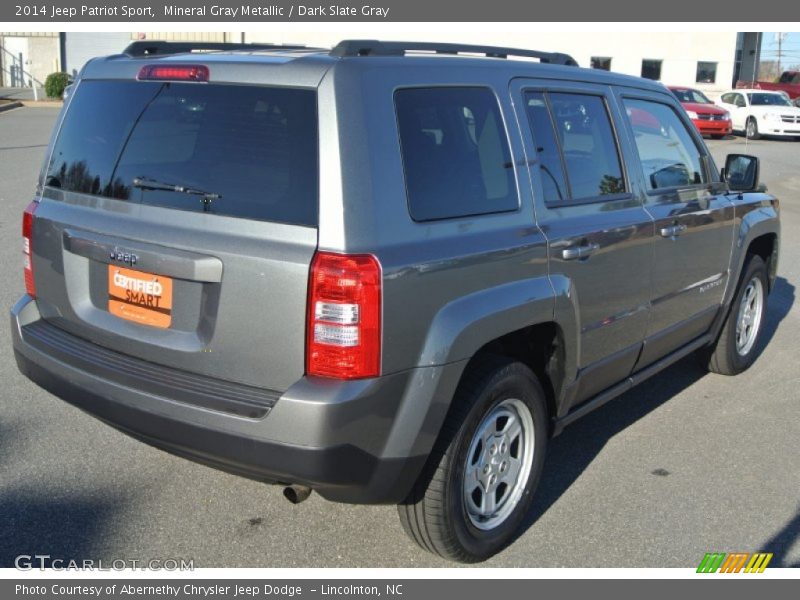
(668,154)
(455,153)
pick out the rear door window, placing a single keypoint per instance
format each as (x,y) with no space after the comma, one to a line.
(579,126)
(455,153)
(242,151)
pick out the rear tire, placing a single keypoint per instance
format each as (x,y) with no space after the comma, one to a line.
(737,346)
(478,483)
(751,129)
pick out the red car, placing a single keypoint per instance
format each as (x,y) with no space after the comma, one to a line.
(789,83)
(708,118)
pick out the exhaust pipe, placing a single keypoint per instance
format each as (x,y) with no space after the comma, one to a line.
(296,493)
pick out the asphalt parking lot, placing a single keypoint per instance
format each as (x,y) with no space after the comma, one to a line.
(685,464)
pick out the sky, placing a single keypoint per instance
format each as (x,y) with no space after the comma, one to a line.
(790,47)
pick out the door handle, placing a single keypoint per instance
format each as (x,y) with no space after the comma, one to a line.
(672,231)
(576,252)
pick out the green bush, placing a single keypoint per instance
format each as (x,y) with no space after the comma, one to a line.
(55,83)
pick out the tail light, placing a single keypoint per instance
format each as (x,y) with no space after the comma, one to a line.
(344,316)
(27,247)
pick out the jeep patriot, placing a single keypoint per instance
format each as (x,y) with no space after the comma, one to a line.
(387,272)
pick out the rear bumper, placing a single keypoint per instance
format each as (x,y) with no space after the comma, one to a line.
(360,442)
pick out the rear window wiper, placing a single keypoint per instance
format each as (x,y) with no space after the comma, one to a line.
(145,183)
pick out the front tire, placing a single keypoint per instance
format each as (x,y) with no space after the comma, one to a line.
(751,129)
(479,481)
(737,346)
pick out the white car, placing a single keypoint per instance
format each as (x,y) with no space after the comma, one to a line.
(760,112)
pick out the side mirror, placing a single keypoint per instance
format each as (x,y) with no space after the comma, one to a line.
(741,172)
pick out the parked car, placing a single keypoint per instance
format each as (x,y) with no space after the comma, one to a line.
(708,118)
(384,275)
(788,82)
(758,113)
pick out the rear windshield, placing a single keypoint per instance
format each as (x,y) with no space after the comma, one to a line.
(691,96)
(240,151)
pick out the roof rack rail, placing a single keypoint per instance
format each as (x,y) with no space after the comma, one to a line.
(159,47)
(379,48)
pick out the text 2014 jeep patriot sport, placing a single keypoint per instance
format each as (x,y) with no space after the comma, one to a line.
(388,272)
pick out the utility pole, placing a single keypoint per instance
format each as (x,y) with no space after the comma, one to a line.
(779,37)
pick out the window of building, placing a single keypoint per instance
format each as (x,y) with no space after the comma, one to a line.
(601,62)
(455,153)
(591,166)
(668,154)
(706,72)
(651,69)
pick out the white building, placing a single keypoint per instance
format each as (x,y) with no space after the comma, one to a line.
(710,61)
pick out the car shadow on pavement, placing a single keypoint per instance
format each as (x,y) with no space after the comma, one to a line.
(37,519)
(781,300)
(780,543)
(574,450)
(66,528)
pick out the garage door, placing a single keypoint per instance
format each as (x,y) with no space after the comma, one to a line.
(80,47)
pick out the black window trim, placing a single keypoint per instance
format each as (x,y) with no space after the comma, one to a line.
(627,194)
(705,157)
(513,165)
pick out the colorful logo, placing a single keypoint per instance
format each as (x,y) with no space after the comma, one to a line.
(714,562)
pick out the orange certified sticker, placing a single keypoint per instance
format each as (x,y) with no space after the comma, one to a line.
(140,297)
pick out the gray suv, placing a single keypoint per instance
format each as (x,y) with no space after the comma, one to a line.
(388,272)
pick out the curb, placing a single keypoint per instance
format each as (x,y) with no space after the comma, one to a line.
(11,106)
(42,103)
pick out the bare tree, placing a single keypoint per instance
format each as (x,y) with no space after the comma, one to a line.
(768,70)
